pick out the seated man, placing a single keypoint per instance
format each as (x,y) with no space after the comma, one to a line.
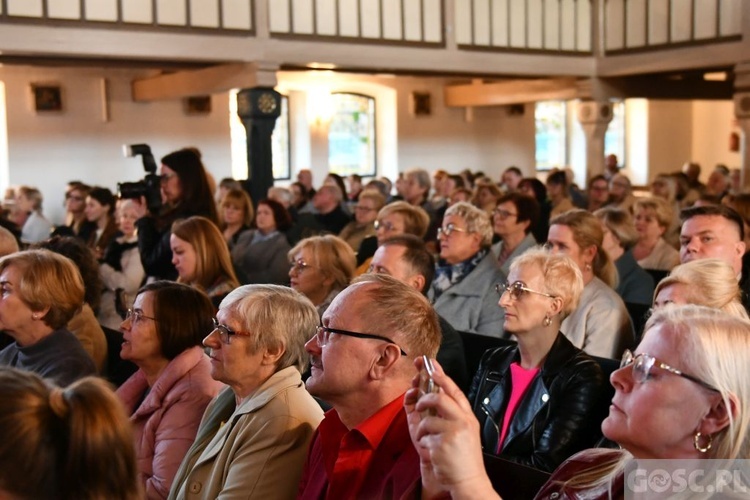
(330,216)
(362,364)
(406,258)
(715,231)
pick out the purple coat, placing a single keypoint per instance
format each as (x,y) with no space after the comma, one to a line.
(167,419)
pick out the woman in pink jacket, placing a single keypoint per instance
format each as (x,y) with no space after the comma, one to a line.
(166,397)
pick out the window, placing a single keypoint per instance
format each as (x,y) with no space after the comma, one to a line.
(351,135)
(550,119)
(614,139)
(279,141)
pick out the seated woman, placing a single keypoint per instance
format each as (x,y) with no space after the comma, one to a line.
(260,255)
(486,196)
(100,210)
(236,213)
(201,257)
(366,211)
(83,324)
(704,282)
(95,460)
(321,266)
(634,285)
(254,437)
(600,325)
(679,396)
(653,217)
(517,422)
(121,270)
(168,394)
(463,290)
(41,292)
(512,220)
(394,219)
(559,194)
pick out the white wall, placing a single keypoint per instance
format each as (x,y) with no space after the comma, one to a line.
(48,149)
(713,122)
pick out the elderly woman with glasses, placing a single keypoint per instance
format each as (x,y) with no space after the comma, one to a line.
(254,437)
(536,402)
(683,394)
(321,266)
(512,220)
(168,394)
(466,273)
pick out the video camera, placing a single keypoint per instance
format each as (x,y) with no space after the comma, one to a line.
(150,186)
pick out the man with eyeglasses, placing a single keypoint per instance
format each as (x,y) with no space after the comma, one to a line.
(362,364)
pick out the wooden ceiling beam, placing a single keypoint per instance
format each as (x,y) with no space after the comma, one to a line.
(510,92)
(205,81)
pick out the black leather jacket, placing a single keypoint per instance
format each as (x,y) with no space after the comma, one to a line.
(557,416)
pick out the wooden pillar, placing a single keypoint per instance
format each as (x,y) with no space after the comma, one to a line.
(594,117)
(258,108)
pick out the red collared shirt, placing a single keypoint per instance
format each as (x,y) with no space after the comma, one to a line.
(347,454)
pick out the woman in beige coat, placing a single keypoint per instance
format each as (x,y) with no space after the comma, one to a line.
(254,436)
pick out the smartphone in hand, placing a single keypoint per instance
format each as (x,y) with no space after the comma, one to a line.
(427,384)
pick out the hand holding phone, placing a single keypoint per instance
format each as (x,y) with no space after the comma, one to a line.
(427,384)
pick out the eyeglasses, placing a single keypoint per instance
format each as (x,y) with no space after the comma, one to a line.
(73,197)
(642,364)
(136,316)
(323,334)
(387,226)
(226,333)
(517,289)
(503,214)
(360,208)
(299,265)
(448,230)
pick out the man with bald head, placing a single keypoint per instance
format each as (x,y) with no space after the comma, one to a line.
(362,360)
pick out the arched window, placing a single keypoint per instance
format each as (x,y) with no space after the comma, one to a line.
(550,119)
(351,135)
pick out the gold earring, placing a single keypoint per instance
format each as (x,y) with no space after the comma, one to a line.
(697,442)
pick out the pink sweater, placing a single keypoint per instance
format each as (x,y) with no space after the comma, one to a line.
(167,419)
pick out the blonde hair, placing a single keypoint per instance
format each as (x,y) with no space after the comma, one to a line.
(477,220)
(620,224)
(416,220)
(562,277)
(332,256)
(33,195)
(47,280)
(396,307)
(240,199)
(587,231)
(282,318)
(71,443)
(662,209)
(708,282)
(213,261)
(715,348)
(375,196)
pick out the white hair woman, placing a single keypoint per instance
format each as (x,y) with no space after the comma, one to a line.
(683,394)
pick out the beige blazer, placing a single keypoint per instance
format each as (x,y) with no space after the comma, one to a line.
(261,449)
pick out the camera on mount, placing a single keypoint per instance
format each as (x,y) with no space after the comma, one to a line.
(150,186)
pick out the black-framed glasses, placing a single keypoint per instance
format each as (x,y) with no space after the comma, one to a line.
(517,289)
(299,265)
(323,334)
(226,333)
(503,214)
(448,229)
(137,315)
(642,364)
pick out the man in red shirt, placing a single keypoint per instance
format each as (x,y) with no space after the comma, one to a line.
(362,364)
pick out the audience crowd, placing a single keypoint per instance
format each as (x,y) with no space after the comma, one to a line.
(363,339)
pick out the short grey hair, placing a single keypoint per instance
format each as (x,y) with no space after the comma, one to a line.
(477,220)
(278,316)
(421,175)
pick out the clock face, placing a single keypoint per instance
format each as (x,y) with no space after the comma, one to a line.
(267,103)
